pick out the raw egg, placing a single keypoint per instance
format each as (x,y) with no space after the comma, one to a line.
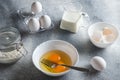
(45,21)
(58,57)
(98,63)
(33,25)
(36,7)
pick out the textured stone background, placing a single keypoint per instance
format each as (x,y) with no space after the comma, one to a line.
(98,10)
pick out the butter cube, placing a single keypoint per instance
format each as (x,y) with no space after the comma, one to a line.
(70,21)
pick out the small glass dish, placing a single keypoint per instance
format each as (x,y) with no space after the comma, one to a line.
(96,34)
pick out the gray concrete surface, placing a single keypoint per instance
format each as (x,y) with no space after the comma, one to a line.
(98,10)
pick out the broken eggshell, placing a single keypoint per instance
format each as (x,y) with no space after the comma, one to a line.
(99,28)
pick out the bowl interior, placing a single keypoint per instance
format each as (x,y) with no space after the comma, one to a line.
(54,45)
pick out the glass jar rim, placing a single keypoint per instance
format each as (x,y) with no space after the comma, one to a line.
(8,37)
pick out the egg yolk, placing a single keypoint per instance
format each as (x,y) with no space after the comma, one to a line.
(59,68)
(54,57)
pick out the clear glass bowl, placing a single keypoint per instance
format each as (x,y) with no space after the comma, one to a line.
(11,47)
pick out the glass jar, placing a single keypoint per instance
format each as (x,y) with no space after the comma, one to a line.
(11,46)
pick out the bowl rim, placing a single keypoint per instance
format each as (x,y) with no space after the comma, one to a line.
(55,74)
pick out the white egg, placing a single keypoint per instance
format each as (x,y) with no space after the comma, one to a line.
(98,63)
(36,7)
(33,25)
(45,21)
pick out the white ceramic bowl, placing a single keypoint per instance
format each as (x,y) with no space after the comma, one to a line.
(54,45)
(100,26)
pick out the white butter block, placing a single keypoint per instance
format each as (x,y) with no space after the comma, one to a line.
(70,21)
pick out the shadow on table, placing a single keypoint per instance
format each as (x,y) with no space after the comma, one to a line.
(3,66)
